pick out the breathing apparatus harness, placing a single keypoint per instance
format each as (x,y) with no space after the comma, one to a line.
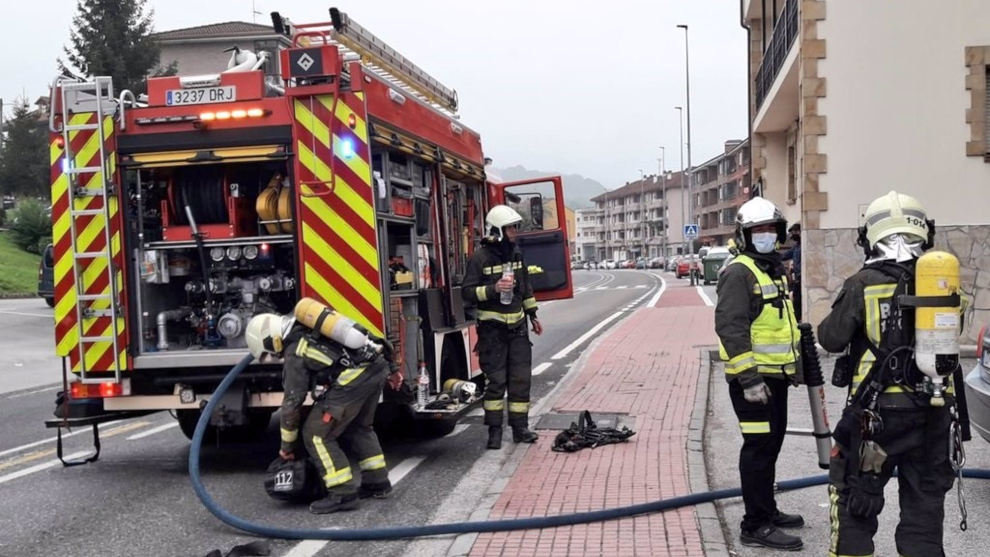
(894,365)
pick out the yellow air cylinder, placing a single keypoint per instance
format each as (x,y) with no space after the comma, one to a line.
(331,324)
(937,328)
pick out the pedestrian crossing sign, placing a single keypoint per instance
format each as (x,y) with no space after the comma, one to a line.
(691,231)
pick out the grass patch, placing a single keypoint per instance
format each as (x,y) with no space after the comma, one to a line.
(18,269)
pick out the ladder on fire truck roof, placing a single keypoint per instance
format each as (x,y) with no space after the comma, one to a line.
(377,56)
(91,96)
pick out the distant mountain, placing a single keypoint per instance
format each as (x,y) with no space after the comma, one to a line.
(578,190)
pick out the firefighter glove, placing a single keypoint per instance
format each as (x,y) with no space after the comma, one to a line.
(757,393)
(865,495)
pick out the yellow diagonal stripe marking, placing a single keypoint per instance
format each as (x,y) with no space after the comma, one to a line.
(85,238)
(68,342)
(309,121)
(357,164)
(336,300)
(341,188)
(342,228)
(343,112)
(54,153)
(336,262)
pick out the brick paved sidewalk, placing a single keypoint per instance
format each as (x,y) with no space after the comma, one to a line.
(646,367)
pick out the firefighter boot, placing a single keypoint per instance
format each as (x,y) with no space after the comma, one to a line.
(334,502)
(494,437)
(769,536)
(524,435)
(378,490)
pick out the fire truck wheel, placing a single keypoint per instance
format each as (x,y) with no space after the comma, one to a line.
(50,301)
(434,429)
(187,423)
(258,421)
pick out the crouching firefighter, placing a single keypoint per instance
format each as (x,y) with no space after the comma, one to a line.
(898,320)
(344,368)
(496,283)
(758,341)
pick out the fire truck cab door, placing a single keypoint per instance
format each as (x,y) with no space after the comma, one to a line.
(542,234)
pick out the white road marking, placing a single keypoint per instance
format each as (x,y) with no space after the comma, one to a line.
(36,391)
(479,411)
(459,429)
(656,298)
(84,429)
(153,431)
(27,314)
(541,368)
(620,287)
(642,286)
(308,548)
(580,340)
(704,297)
(39,467)
(601,288)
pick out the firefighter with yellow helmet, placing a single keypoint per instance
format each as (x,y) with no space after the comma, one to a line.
(900,409)
(496,284)
(344,367)
(758,341)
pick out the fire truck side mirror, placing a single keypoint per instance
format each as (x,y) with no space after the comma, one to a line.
(536,212)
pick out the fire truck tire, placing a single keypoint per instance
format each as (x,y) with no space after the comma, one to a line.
(258,421)
(50,301)
(434,429)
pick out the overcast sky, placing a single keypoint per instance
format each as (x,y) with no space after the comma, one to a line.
(574,86)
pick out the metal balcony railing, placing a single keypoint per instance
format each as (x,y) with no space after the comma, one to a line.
(781,40)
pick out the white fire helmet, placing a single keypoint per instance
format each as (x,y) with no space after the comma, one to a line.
(755,212)
(265,333)
(499,217)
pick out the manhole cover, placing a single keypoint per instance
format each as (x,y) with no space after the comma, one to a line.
(564,420)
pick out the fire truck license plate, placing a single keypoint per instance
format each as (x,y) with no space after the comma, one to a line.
(201,95)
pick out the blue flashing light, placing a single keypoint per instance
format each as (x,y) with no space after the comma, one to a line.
(347,148)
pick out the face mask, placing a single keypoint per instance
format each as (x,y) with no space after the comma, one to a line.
(899,248)
(764,242)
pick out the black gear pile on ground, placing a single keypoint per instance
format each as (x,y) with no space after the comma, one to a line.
(587,434)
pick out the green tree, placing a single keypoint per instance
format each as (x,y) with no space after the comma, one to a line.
(113,37)
(24,168)
(30,225)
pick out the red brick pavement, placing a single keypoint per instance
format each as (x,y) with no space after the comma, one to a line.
(647,367)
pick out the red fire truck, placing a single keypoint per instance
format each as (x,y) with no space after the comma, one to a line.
(180,214)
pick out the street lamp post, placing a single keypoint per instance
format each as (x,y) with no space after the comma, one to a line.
(663,206)
(687,86)
(684,194)
(642,211)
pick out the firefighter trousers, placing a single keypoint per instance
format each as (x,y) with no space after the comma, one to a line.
(917,444)
(763,427)
(347,412)
(506,358)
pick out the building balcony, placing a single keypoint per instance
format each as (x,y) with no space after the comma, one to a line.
(776,84)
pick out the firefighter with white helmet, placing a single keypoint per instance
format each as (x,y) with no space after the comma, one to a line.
(894,416)
(345,372)
(496,285)
(758,341)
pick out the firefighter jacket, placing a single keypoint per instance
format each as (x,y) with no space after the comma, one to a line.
(484,269)
(754,320)
(865,317)
(311,361)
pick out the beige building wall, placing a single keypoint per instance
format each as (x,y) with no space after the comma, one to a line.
(896,107)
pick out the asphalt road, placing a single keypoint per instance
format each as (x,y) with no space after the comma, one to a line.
(137,500)
(798,459)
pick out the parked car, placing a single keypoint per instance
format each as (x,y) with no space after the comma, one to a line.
(629,264)
(608,264)
(642,263)
(686,264)
(656,263)
(46,276)
(978,386)
(671,263)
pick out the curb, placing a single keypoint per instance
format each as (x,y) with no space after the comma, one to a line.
(713,540)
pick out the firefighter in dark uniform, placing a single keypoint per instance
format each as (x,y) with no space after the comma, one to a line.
(758,337)
(504,350)
(903,430)
(346,385)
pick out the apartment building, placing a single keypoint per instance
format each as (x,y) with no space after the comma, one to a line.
(587,223)
(201,49)
(849,100)
(630,220)
(721,185)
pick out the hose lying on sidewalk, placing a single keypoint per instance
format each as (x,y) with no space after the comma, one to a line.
(397,532)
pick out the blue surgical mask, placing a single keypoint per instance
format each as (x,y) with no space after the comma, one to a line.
(764,242)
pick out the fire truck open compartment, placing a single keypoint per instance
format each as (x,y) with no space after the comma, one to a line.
(245,220)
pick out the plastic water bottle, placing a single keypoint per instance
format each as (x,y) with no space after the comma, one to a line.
(507,272)
(422,386)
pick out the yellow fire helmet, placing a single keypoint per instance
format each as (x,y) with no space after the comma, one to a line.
(895,213)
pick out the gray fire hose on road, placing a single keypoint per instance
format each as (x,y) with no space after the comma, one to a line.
(399,532)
